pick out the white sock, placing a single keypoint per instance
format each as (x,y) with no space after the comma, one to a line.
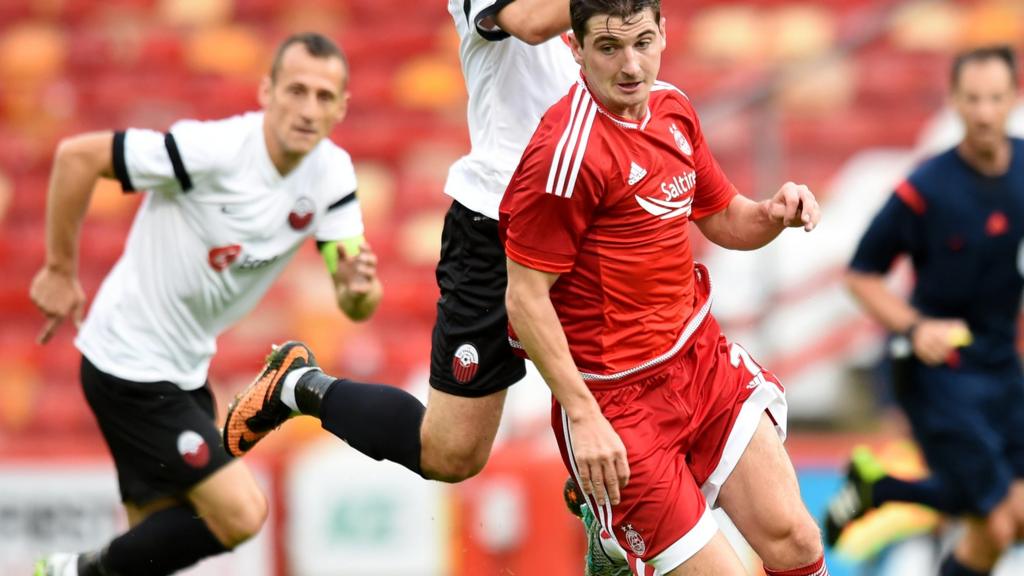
(63,564)
(288,387)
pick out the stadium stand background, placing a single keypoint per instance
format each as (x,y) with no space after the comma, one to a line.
(842,95)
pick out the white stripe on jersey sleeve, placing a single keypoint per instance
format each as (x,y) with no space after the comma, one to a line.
(569,153)
(581,151)
(570,149)
(659,86)
(565,137)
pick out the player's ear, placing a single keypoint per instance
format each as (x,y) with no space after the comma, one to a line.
(664,36)
(342,106)
(577,48)
(266,86)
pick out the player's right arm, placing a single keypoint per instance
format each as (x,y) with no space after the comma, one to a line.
(599,452)
(78,163)
(893,232)
(542,233)
(533,21)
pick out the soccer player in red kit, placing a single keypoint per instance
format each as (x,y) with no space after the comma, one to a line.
(657,415)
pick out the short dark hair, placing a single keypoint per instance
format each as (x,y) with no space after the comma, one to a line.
(317,45)
(581,11)
(1005,54)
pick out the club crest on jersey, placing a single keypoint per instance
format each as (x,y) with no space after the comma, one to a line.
(681,142)
(465,362)
(635,540)
(193,449)
(301,214)
(223,256)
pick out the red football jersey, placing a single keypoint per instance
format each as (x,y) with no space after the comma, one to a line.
(606,203)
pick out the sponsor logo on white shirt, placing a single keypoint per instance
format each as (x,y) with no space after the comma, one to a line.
(250,263)
(223,256)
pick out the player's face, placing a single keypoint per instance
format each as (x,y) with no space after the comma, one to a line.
(304,102)
(984,97)
(621,59)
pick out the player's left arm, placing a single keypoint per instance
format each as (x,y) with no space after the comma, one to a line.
(353,267)
(730,219)
(748,225)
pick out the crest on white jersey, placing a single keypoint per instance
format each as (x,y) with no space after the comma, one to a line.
(681,141)
(301,214)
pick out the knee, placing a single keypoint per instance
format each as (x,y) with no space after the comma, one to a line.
(452,464)
(979,548)
(239,519)
(793,543)
(997,535)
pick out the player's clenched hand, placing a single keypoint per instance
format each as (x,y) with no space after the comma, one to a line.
(356,272)
(57,295)
(794,205)
(935,339)
(600,458)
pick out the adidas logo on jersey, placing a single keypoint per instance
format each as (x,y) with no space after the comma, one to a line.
(636,173)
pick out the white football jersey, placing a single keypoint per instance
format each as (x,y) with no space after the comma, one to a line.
(511,84)
(217,225)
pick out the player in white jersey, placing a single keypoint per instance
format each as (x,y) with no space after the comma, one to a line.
(227,204)
(516,65)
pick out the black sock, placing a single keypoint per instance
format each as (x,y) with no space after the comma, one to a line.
(380,421)
(930,492)
(163,543)
(310,390)
(952,567)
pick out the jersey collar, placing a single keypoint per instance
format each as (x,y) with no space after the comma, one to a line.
(615,118)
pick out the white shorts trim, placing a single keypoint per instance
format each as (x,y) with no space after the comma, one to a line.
(602,513)
(684,548)
(766,397)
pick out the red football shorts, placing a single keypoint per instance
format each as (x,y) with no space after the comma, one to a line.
(685,424)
